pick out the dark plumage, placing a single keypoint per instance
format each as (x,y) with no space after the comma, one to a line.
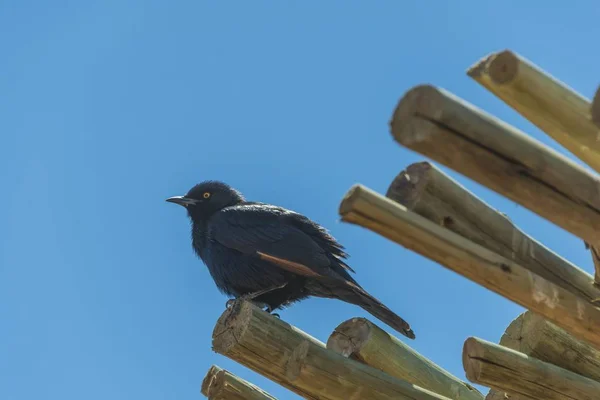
(271,255)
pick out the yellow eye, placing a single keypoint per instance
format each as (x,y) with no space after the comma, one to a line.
(206,195)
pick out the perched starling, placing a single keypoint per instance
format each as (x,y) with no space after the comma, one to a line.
(271,255)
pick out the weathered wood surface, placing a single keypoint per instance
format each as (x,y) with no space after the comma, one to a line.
(515,373)
(429,192)
(445,128)
(548,103)
(362,340)
(220,384)
(301,363)
(537,337)
(364,207)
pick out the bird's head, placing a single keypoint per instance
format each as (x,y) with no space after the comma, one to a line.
(206,198)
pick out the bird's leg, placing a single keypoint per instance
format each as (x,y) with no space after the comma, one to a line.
(278,298)
(253,295)
(270,310)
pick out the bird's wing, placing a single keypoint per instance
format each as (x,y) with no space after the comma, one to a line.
(266,231)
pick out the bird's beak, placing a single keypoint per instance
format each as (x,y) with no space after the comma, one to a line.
(182,201)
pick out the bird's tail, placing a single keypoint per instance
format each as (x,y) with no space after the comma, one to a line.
(360,297)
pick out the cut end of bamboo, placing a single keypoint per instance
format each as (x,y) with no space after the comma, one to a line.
(223,385)
(504,67)
(420,99)
(406,188)
(479,69)
(349,337)
(351,196)
(217,384)
(231,326)
(501,67)
(418,114)
(207,382)
(513,336)
(596,108)
(526,332)
(472,359)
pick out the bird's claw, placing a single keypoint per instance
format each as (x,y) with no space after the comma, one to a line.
(270,310)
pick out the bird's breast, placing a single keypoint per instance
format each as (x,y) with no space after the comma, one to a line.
(238,273)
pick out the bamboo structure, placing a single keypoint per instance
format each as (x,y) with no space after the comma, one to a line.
(535,336)
(556,109)
(552,350)
(219,384)
(366,208)
(439,125)
(445,128)
(364,341)
(515,373)
(301,363)
(429,192)
(546,102)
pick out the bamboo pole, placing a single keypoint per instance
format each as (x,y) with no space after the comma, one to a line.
(437,124)
(552,106)
(208,378)
(517,374)
(220,384)
(301,363)
(546,102)
(429,192)
(362,340)
(364,207)
(537,337)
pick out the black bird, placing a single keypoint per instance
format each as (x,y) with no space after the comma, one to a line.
(270,255)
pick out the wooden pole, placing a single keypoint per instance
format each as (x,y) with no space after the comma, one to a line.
(220,384)
(301,363)
(364,341)
(546,102)
(537,337)
(596,108)
(437,124)
(429,192)
(364,207)
(552,106)
(517,374)
(210,375)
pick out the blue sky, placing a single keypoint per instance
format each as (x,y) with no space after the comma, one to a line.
(110,107)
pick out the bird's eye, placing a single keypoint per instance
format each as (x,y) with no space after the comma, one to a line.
(206,195)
